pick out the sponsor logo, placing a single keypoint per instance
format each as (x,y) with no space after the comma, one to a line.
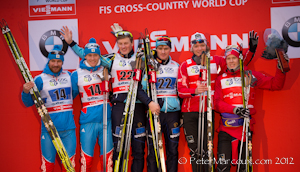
(190,139)
(122,63)
(63,80)
(169,70)
(232,95)
(237,80)
(160,71)
(140,132)
(95,76)
(229,82)
(87,78)
(228,123)
(222,157)
(51,38)
(53,82)
(51,7)
(189,61)
(291,31)
(195,69)
(123,88)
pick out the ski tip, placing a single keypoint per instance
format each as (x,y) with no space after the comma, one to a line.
(3,23)
(146,32)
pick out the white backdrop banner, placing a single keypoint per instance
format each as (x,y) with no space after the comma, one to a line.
(286,20)
(43,35)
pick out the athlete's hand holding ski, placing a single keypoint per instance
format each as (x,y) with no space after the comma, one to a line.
(201,88)
(27,86)
(154,107)
(35,94)
(242,112)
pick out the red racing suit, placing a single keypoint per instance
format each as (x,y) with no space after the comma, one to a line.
(188,75)
(228,95)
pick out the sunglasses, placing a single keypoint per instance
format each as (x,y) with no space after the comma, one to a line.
(163,38)
(57,52)
(124,33)
(92,45)
(198,41)
(231,47)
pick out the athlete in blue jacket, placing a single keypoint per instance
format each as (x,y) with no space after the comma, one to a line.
(55,88)
(86,82)
(166,89)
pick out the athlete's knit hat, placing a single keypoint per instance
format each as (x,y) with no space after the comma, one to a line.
(92,47)
(197,38)
(232,49)
(56,53)
(163,40)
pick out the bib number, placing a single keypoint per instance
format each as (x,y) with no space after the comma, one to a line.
(92,90)
(124,75)
(60,94)
(165,83)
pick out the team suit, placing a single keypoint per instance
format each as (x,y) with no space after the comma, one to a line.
(166,88)
(188,77)
(120,70)
(56,92)
(228,95)
(87,83)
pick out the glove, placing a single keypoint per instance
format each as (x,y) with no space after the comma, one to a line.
(272,44)
(252,78)
(253,41)
(242,112)
(267,55)
(101,75)
(115,29)
(140,54)
(284,45)
(153,64)
(133,65)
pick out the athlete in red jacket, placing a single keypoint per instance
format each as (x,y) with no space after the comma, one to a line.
(229,102)
(189,89)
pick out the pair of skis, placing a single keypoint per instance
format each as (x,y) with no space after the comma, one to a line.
(154,121)
(127,118)
(36,97)
(205,77)
(124,138)
(246,125)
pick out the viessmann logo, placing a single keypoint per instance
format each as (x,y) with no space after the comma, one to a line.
(51,7)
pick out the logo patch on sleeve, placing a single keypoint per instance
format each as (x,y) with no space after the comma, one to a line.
(190,139)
